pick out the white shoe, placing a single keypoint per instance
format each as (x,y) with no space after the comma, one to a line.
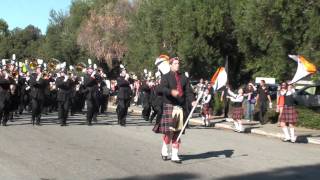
(175,158)
(164,151)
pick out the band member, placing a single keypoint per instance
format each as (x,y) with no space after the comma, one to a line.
(146,90)
(91,91)
(4,97)
(176,92)
(124,96)
(64,85)
(289,115)
(38,85)
(156,102)
(237,111)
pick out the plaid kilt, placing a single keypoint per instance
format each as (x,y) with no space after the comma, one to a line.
(166,119)
(289,115)
(205,109)
(237,113)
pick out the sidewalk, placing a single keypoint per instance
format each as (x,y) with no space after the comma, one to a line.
(270,130)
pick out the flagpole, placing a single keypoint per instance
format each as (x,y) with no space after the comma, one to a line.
(190,114)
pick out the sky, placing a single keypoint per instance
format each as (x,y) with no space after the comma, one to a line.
(21,13)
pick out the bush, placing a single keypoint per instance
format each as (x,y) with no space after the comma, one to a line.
(308,118)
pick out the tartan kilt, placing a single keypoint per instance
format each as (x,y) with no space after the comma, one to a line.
(237,113)
(205,109)
(166,119)
(289,115)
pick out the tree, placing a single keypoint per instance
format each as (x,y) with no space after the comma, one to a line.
(103,33)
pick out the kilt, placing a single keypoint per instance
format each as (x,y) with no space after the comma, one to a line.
(167,120)
(289,115)
(205,109)
(237,113)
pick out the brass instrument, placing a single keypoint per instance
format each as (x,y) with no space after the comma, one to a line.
(80,66)
(33,64)
(52,64)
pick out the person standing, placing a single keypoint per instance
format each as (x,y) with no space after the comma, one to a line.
(124,96)
(64,85)
(225,101)
(289,116)
(250,101)
(262,100)
(38,84)
(176,92)
(205,107)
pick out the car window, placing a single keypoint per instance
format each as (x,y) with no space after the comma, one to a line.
(310,90)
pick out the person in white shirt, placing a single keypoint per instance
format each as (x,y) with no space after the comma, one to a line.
(237,111)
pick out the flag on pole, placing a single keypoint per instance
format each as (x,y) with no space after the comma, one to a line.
(219,79)
(304,69)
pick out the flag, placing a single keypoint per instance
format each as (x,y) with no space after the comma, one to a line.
(304,69)
(219,79)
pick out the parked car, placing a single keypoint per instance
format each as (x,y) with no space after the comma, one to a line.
(309,96)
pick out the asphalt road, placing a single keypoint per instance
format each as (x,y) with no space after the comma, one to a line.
(108,151)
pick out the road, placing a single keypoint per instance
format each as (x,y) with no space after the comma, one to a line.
(108,151)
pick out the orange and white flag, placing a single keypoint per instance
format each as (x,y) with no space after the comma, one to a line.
(304,69)
(219,79)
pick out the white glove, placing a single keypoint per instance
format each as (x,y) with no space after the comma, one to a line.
(28,87)
(38,77)
(93,73)
(66,78)
(270,105)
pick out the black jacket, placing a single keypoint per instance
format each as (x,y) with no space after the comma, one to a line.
(168,83)
(91,87)
(124,90)
(64,91)
(37,87)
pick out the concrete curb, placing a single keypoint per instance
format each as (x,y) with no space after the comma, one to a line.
(311,140)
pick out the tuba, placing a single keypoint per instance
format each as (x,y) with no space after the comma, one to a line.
(52,64)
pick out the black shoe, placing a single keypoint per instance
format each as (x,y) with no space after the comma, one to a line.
(165,158)
(176,161)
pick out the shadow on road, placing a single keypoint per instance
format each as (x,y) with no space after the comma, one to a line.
(227,153)
(172,176)
(289,173)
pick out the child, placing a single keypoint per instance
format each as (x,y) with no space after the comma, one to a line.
(237,112)
(205,107)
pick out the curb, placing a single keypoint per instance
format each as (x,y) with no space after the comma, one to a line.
(310,140)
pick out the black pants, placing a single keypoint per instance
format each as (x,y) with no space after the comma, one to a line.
(37,106)
(262,112)
(226,108)
(4,117)
(157,112)
(146,111)
(63,109)
(92,110)
(122,110)
(102,104)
